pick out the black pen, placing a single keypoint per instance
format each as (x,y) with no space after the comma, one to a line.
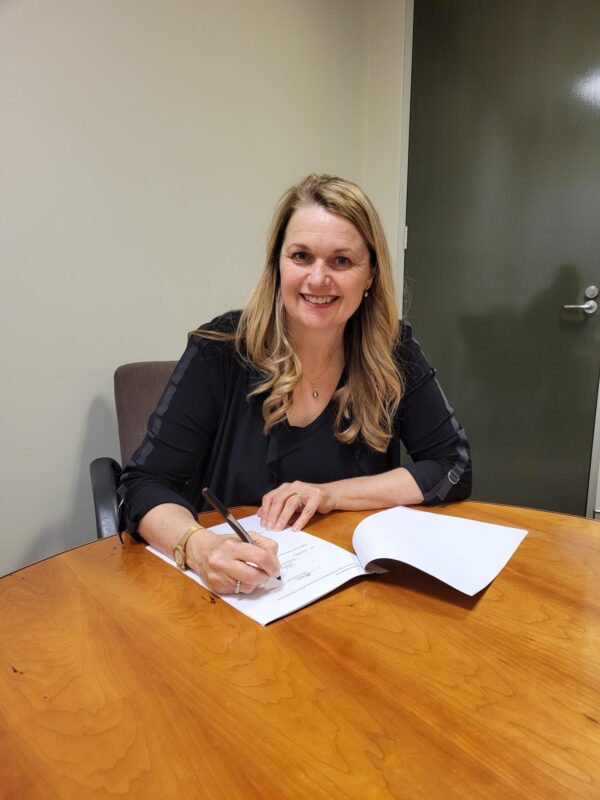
(229,518)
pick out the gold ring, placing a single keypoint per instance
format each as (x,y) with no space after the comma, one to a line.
(237,586)
(299,496)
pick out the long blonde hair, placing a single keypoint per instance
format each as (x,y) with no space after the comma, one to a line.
(369,397)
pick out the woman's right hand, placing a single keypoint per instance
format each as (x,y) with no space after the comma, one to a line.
(222,561)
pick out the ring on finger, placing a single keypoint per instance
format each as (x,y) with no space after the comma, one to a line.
(237,587)
(300,498)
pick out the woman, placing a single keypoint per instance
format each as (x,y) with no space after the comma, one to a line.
(300,402)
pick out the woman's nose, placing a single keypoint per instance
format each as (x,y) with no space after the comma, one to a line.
(319,274)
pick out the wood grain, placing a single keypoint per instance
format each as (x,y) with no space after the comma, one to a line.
(121,677)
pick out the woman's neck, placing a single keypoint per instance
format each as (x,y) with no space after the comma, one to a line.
(322,361)
(318,354)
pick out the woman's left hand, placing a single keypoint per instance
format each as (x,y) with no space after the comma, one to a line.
(303,499)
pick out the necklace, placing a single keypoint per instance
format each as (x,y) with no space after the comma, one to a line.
(313,381)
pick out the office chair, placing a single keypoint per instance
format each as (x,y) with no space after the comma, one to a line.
(138,388)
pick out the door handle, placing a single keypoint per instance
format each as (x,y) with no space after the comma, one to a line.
(589,308)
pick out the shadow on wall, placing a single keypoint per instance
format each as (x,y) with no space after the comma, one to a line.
(78,525)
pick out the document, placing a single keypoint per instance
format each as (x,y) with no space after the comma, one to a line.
(310,568)
(465,554)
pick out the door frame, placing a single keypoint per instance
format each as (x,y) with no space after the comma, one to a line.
(593,500)
(409,10)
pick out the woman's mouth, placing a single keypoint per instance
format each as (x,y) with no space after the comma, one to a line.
(319,299)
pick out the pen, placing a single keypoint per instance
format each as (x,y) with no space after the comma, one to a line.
(229,518)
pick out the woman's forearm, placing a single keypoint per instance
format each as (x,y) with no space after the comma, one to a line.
(224,563)
(296,503)
(394,488)
(164,525)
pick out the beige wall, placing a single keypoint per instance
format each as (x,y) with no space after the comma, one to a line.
(385,153)
(142,147)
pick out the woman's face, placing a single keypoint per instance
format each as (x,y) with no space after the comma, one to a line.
(324,269)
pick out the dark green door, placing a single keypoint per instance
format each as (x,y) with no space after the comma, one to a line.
(503,216)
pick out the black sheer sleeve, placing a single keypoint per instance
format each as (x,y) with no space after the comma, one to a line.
(180,432)
(429,430)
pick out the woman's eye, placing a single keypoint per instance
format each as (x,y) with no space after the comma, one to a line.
(301,257)
(341,261)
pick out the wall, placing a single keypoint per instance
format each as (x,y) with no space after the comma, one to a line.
(385,144)
(143,148)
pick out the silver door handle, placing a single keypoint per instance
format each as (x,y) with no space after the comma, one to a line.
(589,308)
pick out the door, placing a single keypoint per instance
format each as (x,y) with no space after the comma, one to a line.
(503,215)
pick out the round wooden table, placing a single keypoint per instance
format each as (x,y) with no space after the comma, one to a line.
(120,677)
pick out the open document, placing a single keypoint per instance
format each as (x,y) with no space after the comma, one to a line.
(310,568)
(465,554)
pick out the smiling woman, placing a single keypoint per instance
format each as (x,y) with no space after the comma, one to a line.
(298,403)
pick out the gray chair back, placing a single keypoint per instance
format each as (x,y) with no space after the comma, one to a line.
(138,388)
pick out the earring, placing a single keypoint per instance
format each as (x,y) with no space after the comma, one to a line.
(366,294)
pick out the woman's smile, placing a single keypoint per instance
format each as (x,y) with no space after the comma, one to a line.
(319,300)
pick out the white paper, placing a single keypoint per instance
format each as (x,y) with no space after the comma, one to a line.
(310,568)
(463,553)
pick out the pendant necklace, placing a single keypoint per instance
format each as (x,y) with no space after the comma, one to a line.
(313,383)
(314,391)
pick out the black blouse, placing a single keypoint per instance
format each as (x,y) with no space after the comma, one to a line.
(205,432)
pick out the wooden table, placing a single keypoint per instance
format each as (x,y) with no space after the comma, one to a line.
(120,677)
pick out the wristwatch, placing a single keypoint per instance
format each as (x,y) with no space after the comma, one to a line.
(179,549)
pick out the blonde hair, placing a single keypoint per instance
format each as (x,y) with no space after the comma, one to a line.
(369,397)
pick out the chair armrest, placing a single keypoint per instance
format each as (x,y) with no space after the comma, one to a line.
(105,473)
